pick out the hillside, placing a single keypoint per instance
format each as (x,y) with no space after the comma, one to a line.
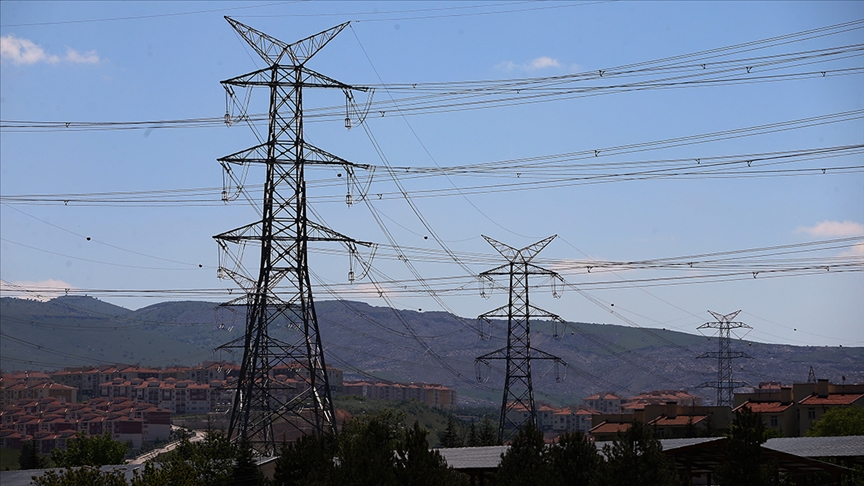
(373,342)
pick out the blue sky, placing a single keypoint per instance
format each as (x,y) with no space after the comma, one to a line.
(159,62)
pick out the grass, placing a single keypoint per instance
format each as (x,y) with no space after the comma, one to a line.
(432,419)
(9,459)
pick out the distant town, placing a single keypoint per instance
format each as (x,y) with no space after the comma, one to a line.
(137,404)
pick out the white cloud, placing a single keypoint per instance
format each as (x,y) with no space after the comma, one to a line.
(25,51)
(42,290)
(833,229)
(854,251)
(541,62)
(544,62)
(89,57)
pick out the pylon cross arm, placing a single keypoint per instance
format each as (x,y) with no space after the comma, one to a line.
(273,50)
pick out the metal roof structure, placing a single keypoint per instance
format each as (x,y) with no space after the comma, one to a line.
(849,446)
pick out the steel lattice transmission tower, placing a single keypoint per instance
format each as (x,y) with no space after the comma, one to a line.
(280,298)
(518,354)
(724,355)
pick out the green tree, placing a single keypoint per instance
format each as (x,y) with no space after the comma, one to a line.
(450,437)
(525,462)
(473,438)
(488,433)
(81,476)
(245,472)
(573,461)
(839,422)
(744,464)
(306,462)
(636,457)
(365,450)
(30,457)
(96,450)
(210,461)
(418,465)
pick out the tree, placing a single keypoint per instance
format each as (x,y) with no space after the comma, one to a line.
(245,472)
(374,449)
(525,462)
(839,422)
(308,461)
(418,465)
(96,450)
(210,461)
(473,439)
(365,450)
(744,464)
(81,476)
(488,433)
(450,437)
(636,457)
(30,457)
(573,461)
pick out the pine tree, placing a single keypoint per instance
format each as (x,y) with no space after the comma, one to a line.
(306,462)
(417,465)
(745,465)
(525,464)
(573,461)
(30,457)
(488,434)
(473,439)
(245,471)
(450,437)
(636,457)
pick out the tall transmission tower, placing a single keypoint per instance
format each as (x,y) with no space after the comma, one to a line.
(724,356)
(518,354)
(279,301)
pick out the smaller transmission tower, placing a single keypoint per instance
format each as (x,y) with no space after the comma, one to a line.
(724,356)
(811,377)
(518,354)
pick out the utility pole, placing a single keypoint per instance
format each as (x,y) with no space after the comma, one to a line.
(518,354)
(724,355)
(280,296)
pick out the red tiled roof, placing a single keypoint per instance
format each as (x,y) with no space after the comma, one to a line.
(764,407)
(678,420)
(832,399)
(610,428)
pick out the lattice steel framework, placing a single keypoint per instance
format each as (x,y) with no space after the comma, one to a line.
(724,355)
(517,406)
(281,295)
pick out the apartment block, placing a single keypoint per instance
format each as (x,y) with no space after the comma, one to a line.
(432,394)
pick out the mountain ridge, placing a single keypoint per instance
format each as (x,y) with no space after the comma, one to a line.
(404,345)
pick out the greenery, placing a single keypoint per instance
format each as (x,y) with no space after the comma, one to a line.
(839,422)
(9,459)
(525,462)
(450,437)
(432,419)
(572,461)
(636,457)
(95,451)
(80,476)
(744,465)
(373,449)
(30,457)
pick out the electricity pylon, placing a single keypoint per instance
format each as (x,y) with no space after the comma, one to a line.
(518,354)
(724,356)
(281,295)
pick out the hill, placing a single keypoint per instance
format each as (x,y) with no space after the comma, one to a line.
(379,342)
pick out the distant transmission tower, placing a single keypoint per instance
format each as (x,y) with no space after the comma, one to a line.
(518,390)
(280,298)
(724,356)
(811,377)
